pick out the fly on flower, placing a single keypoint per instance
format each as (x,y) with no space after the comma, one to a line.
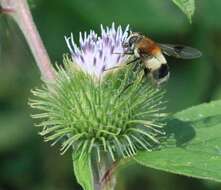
(91,117)
(150,55)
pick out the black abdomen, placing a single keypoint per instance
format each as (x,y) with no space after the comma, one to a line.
(163,71)
(161,74)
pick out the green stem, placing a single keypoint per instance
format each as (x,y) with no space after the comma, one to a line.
(20,12)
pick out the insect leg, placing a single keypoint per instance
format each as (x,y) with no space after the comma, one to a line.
(128,85)
(112,68)
(134,60)
(146,71)
(124,53)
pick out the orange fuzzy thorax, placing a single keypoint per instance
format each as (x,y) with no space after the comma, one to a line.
(148,46)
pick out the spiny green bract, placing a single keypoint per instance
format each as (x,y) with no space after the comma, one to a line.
(108,115)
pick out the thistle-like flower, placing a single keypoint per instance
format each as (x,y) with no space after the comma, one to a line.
(119,115)
(97,54)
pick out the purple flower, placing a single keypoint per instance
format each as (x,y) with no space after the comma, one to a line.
(97,54)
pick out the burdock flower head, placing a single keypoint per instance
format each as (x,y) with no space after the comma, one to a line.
(95,109)
(97,54)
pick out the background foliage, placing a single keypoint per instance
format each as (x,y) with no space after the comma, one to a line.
(28,163)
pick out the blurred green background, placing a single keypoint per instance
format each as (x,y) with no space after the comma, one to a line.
(26,162)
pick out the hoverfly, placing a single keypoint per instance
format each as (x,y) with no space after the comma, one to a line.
(150,54)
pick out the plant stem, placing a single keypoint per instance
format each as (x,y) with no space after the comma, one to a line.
(107,175)
(20,12)
(108,181)
(104,178)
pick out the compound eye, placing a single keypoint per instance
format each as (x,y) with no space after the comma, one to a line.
(132,40)
(125,45)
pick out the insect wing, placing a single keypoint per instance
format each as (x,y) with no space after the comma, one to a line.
(180,51)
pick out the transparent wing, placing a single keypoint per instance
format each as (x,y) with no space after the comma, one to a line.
(180,51)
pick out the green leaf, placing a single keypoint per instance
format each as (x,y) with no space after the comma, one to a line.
(187,6)
(193,147)
(83,171)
